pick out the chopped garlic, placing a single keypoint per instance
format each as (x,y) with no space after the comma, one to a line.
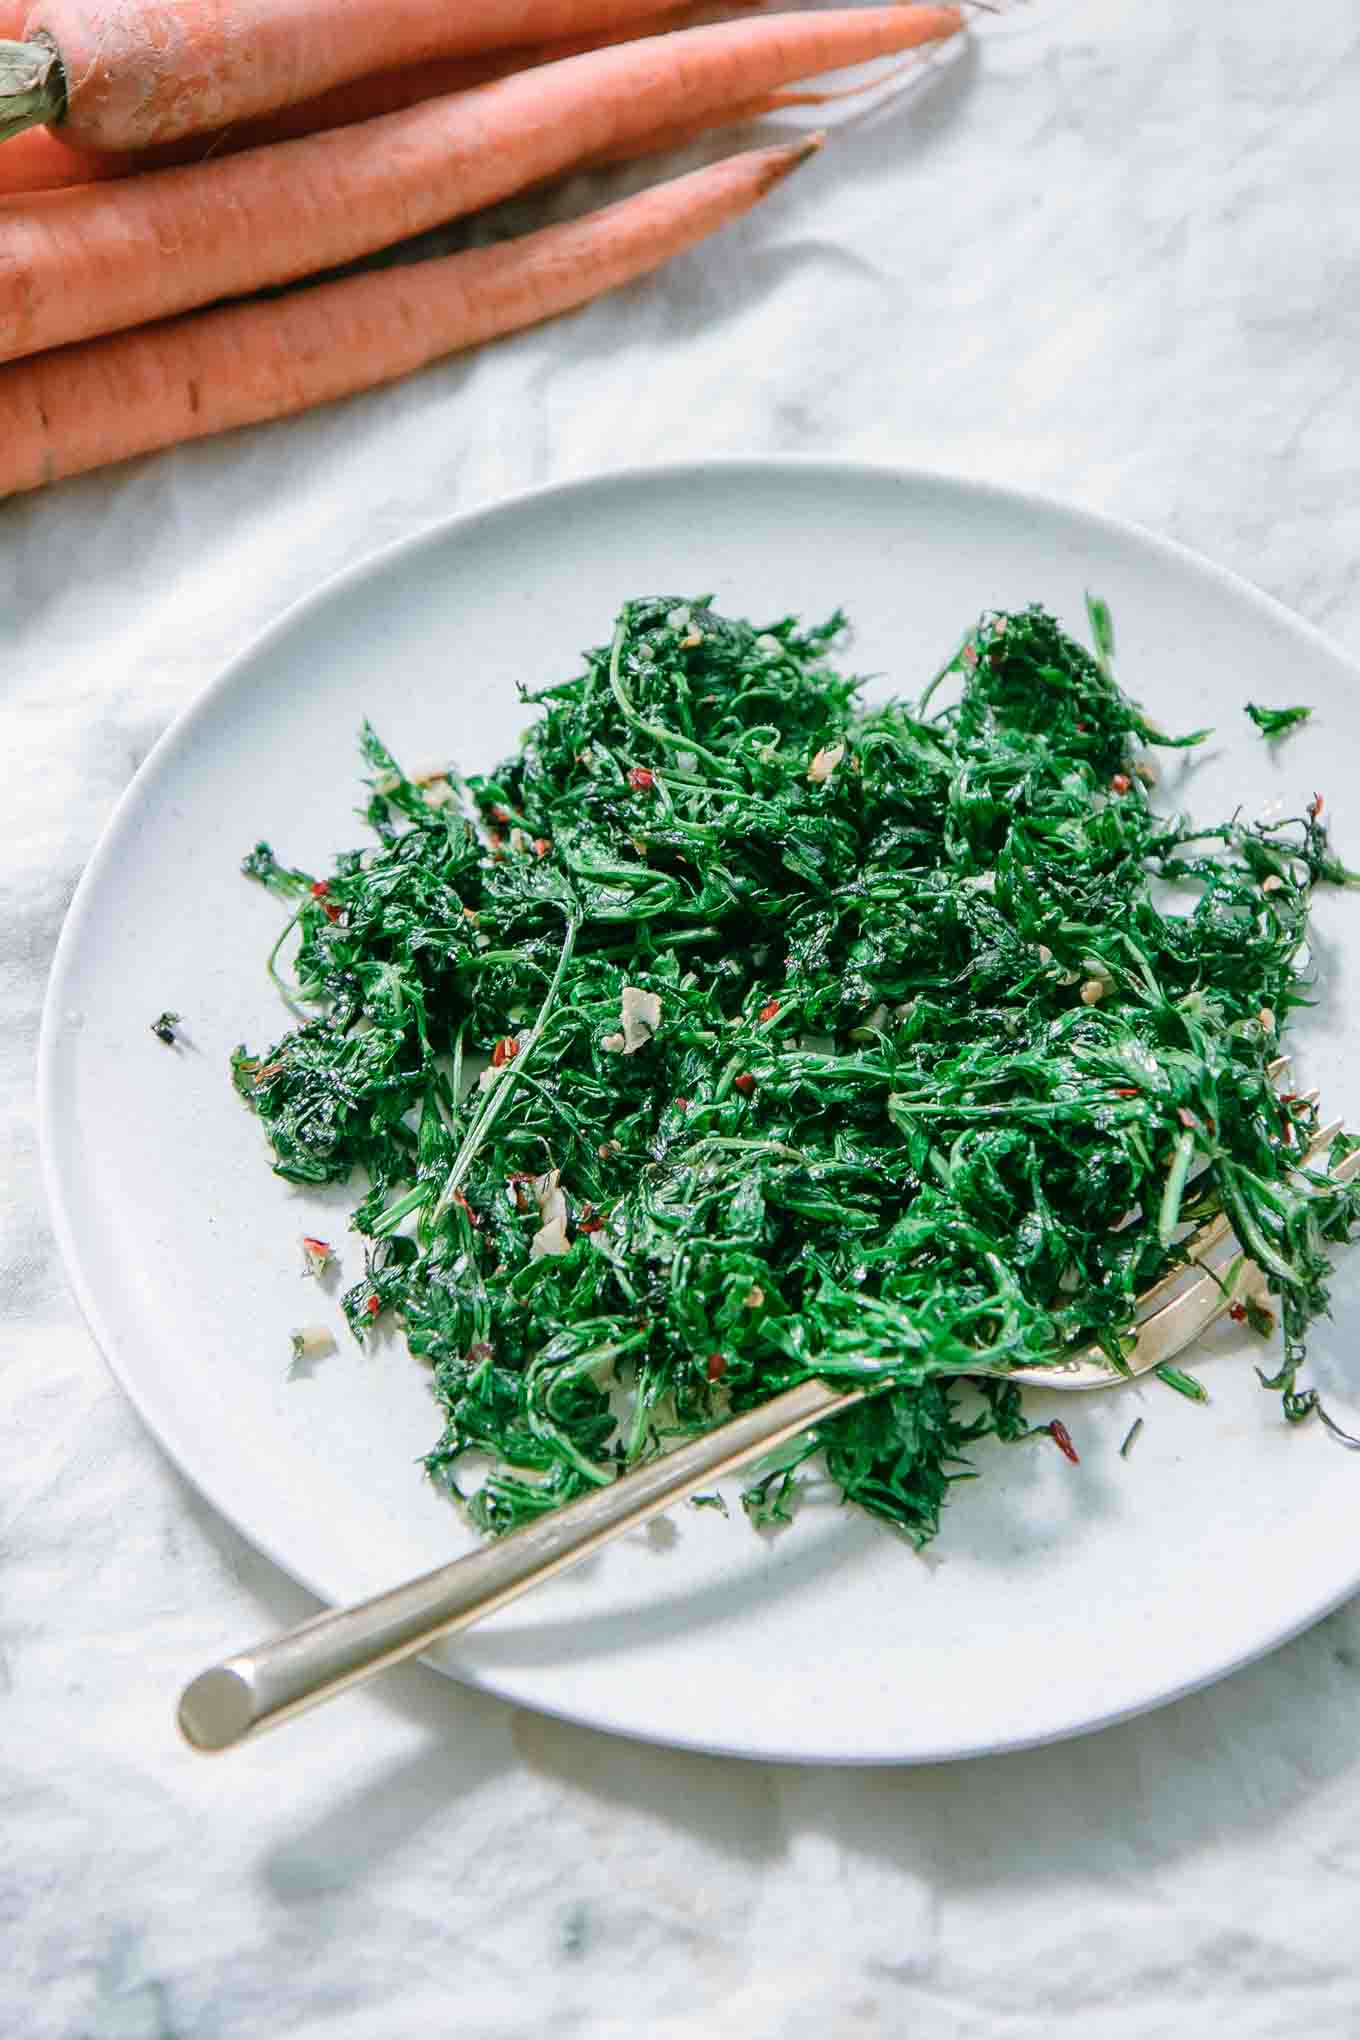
(550,1239)
(438,794)
(1272,884)
(1093,991)
(640,1013)
(549,1196)
(551,1199)
(387,782)
(1266,1018)
(825,763)
(311,1342)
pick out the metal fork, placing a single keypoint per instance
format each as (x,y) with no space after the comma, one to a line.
(282,1677)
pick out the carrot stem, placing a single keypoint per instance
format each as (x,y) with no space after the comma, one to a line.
(32,86)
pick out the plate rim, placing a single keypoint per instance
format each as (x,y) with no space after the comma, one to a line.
(373,565)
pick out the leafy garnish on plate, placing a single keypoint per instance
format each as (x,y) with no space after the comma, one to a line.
(1276,722)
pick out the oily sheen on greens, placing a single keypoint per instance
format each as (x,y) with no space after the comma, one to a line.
(936,1073)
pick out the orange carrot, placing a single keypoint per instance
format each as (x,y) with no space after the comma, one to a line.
(99,258)
(64,413)
(130,73)
(40,160)
(680,137)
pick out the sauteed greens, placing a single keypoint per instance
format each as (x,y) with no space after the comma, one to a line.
(809,1038)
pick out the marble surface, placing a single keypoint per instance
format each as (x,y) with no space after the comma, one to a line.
(1114,252)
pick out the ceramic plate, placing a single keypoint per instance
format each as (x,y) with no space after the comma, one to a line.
(1058,1597)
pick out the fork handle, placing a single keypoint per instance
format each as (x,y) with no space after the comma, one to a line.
(244,1694)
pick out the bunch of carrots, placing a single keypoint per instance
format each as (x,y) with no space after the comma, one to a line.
(167,160)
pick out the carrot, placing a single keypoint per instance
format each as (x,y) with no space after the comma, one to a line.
(125,74)
(64,413)
(98,258)
(40,160)
(680,137)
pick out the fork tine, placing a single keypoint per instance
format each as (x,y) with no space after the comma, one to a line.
(1172,1328)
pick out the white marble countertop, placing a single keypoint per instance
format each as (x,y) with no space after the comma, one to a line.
(1115,253)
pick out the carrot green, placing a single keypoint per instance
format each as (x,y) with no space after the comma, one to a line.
(808,1038)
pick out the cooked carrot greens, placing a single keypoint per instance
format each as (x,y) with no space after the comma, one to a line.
(1277,722)
(733,1031)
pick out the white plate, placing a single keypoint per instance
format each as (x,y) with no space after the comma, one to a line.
(1057,1597)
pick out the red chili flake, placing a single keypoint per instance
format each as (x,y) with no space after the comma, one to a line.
(317,1255)
(682,1104)
(1082,727)
(499,814)
(1289,1097)
(320,888)
(542,845)
(1315,806)
(590,1220)
(769,1009)
(463,1205)
(478,1355)
(745,1083)
(969,657)
(641,778)
(1238,1313)
(1121,783)
(1125,1091)
(715,1367)
(373,1305)
(1062,1438)
(1186,1116)
(506,1049)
